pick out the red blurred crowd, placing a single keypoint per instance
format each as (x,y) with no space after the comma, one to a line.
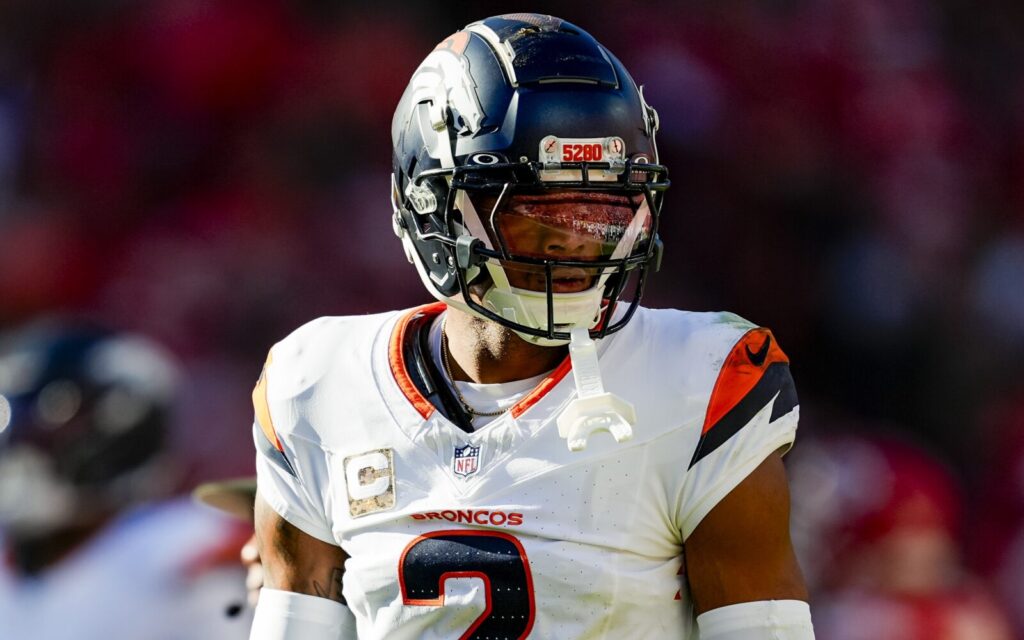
(213,173)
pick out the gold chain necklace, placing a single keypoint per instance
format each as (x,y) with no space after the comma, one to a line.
(448,370)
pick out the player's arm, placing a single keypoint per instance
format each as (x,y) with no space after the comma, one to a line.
(741,550)
(742,572)
(302,583)
(296,561)
(740,564)
(301,597)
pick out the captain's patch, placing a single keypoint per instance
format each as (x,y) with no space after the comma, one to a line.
(370,482)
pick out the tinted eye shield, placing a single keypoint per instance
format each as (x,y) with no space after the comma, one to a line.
(564,225)
(633,179)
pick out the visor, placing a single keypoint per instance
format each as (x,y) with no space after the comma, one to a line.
(570,228)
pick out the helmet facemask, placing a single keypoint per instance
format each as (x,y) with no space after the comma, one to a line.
(556,257)
(545,256)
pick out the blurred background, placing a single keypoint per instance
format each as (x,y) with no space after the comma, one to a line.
(850,173)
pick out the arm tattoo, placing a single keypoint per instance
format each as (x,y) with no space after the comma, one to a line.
(332,590)
(305,574)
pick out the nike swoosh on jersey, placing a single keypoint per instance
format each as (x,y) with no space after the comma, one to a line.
(757,359)
(747,382)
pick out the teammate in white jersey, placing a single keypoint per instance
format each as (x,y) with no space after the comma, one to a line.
(535,455)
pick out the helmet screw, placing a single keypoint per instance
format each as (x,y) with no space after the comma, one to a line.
(436,258)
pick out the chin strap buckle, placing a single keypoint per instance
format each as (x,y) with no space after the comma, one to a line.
(594,409)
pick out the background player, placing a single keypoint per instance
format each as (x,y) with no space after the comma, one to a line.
(94,546)
(414,474)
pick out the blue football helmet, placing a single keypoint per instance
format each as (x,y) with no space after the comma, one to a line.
(83,421)
(526,185)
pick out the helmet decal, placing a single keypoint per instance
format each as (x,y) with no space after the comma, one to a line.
(455,43)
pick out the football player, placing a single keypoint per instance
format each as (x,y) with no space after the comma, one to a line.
(535,455)
(93,547)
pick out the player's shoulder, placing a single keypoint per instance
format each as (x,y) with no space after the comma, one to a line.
(675,335)
(311,352)
(694,350)
(180,529)
(316,344)
(679,328)
(308,362)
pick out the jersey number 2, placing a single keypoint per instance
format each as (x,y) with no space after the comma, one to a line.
(496,558)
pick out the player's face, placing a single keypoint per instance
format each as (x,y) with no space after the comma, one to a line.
(583,226)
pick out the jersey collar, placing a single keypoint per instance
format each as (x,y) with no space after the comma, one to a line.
(413,386)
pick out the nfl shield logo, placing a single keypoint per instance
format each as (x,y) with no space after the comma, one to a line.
(466,461)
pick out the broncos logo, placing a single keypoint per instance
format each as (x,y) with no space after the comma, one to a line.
(443,80)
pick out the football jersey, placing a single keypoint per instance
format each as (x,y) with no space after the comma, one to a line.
(148,575)
(502,532)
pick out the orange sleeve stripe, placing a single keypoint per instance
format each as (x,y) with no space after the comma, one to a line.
(743,368)
(262,408)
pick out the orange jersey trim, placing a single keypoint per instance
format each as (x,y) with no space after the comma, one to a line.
(547,384)
(743,368)
(396,358)
(262,408)
(425,408)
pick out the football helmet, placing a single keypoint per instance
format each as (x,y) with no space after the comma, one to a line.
(83,420)
(526,185)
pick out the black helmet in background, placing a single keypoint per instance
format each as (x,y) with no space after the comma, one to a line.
(84,415)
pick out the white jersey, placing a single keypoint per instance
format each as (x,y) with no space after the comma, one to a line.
(146,576)
(503,532)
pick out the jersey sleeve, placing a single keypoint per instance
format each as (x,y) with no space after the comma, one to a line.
(289,469)
(752,411)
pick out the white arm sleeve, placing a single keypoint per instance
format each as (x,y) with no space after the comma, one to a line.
(284,615)
(762,620)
